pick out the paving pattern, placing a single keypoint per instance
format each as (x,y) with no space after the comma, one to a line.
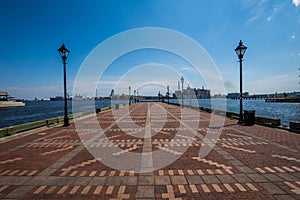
(59,162)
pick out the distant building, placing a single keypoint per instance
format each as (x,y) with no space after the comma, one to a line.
(236,95)
(193,93)
(177,94)
(120,97)
(189,93)
(233,95)
(202,93)
(219,96)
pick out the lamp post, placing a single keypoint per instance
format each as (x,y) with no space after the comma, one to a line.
(129,88)
(168,93)
(134,95)
(158,96)
(240,51)
(63,51)
(182,79)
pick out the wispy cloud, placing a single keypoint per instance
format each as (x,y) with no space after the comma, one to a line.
(256,9)
(262,9)
(296,3)
(294,54)
(257,14)
(185,69)
(278,83)
(275,10)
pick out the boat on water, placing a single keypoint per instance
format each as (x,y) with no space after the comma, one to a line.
(7,101)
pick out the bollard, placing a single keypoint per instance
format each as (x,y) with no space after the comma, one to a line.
(249,117)
(295,126)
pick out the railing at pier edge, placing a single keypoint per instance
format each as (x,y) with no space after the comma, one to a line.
(264,121)
(11,130)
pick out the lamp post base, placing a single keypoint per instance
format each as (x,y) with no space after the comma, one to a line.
(66,122)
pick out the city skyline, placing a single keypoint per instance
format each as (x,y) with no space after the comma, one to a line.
(34,30)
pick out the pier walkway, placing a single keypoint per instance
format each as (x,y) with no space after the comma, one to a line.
(151,151)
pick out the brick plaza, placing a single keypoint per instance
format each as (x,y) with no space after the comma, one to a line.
(247,162)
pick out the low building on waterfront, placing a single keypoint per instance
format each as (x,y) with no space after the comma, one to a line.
(236,95)
(193,93)
(202,93)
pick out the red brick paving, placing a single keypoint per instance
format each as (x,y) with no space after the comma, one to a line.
(247,163)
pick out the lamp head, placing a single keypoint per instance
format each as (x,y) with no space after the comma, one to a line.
(240,50)
(63,51)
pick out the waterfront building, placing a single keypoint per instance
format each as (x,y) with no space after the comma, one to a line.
(202,93)
(192,93)
(120,97)
(236,95)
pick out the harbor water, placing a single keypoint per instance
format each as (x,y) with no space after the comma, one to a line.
(286,112)
(40,110)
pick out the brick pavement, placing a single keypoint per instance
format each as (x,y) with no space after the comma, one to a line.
(247,162)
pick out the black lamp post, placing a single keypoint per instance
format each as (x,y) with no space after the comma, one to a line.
(134,95)
(168,93)
(182,79)
(240,51)
(158,96)
(129,88)
(63,51)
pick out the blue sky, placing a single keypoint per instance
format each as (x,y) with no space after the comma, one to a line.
(32,30)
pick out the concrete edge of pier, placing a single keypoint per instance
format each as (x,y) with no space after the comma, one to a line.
(28,128)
